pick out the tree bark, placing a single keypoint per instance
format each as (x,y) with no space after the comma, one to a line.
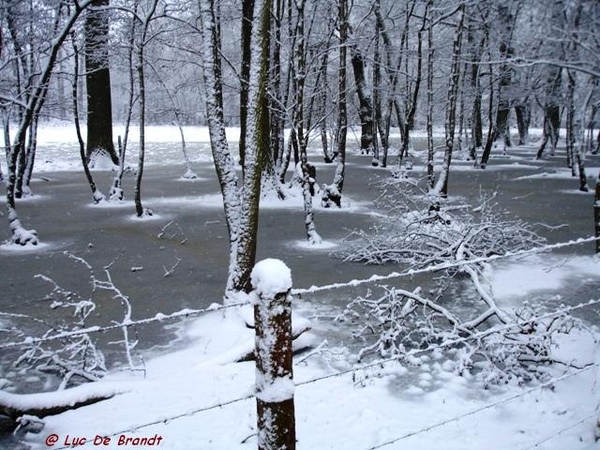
(430,147)
(246,28)
(139,209)
(597,213)
(99,105)
(333,192)
(411,107)
(364,99)
(504,95)
(97,196)
(450,121)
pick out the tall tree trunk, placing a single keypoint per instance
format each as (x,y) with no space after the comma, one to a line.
(411,107)
(504,96)
(139,209)
(476,50)
(97,196)
(116,190)
(247,18)
(430,147)
(277,98)
(491,133)
(333,192)
(30,160)
(240,202)
(99,105)
(305,170)
(597,213)
(257,147)
(394,72)
(328,153)
(570,121)
(441,187)
(364,100)
(224,163)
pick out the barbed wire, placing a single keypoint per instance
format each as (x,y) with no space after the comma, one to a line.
(442,266)
(166,420)
(482,408)
(594,415)
(159,317)
(194,312)
(450,342)
(192,412)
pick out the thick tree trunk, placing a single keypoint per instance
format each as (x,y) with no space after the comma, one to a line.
(523,113)
(97,196)
(491,134)
(476,49)
(99,105)
(277,98)
(257,146)
(570,122)
(504,95)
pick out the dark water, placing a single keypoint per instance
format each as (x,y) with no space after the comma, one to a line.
(65,221)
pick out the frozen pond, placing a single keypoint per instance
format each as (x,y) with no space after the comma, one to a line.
(196,241)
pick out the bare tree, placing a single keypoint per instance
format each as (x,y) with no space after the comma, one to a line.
(141,44)
(441,187)
(333,193)
(31,109)
(240,199)
(97,196)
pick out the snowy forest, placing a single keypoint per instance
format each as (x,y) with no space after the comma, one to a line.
(319,224)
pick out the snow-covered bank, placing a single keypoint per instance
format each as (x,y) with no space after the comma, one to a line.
(195,398)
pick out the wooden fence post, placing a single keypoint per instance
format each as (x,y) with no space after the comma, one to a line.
(276,425)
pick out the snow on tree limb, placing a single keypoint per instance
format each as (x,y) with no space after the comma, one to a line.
(50,403)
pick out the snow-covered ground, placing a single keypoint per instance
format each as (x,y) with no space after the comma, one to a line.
(196,397)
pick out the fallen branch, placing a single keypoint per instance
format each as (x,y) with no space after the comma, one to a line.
(45,404)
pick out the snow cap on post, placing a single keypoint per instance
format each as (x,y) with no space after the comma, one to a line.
(270,277)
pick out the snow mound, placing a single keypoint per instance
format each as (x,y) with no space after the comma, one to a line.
(270,277)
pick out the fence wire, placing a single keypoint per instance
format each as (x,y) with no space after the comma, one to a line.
(313,289)
(594,416)
(192,412)
(483,408)
(443,266)
(160,317)
(375,278)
